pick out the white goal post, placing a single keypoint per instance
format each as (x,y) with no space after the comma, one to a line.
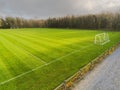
(101,39)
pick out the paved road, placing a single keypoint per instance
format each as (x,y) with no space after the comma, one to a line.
(106,76)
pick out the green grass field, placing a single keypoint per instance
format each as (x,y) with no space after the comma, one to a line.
(41,59)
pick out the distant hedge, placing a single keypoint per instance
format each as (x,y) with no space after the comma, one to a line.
(108,21)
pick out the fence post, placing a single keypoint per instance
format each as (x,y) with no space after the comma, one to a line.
(65,88)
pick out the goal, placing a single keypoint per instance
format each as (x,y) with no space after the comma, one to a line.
(101,39)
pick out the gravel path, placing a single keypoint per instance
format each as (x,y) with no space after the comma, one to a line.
(106,76)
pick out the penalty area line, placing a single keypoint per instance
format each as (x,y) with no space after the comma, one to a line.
(39,67)
(35,57)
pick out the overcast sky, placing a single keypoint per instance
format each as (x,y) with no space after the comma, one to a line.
(53,8)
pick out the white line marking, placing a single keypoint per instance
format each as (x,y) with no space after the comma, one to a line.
(34,56)
(4,82)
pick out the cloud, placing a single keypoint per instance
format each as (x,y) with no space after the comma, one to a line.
(53,8)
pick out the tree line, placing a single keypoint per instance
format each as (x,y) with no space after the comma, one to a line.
(17,22)
(100,21)
(108,21)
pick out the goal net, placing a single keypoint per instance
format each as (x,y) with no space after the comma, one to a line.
(101,39)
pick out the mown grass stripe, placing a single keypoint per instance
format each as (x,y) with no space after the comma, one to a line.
(86,42)
(19,52)
(30,47)
(54,41)
(55,51)
(53,61)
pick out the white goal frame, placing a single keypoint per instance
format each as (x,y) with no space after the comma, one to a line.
(101,39)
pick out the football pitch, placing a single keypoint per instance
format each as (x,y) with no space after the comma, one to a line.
(41,59)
